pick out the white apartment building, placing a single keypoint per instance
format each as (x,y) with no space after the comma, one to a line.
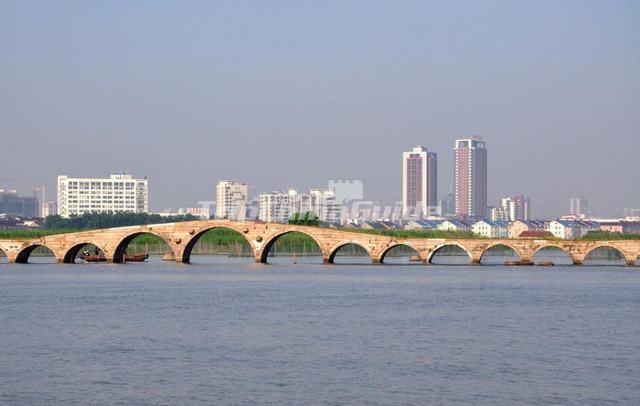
(569,229)
(231,200)
(120,193)
(277,207)
(490,229)
(322,202)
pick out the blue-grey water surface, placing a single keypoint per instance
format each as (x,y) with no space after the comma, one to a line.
(161,333)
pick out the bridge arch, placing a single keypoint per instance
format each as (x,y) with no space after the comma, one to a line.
(397,245)
(433,253)
(264,253)
(537,250)
(334,250)
(593,250)
(25,253)
(118,252)
(186,253)
(515,250)
(72,253)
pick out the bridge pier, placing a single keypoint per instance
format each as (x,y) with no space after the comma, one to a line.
(578,262)
(630,260)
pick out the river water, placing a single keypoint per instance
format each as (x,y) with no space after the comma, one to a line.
(291,334)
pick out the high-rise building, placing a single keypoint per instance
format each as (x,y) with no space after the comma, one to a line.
(120,193)
(50,208)
(512,209)
(231,200)
(470,177)
(323,203)
(520,208)
(275,207)
(448,206)
(14,205)
(279,207)
(578,206)
(419,182)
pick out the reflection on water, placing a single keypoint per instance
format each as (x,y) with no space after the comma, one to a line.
(552,254)
(605,256)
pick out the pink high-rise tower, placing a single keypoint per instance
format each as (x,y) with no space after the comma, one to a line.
(470,177)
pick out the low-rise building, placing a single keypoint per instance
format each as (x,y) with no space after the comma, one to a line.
(536,234)
(622,227)
(378,225)
(490,229)
(454,225)
(571,229)
(19,223)
(422,224)
(203,213)
(518,227)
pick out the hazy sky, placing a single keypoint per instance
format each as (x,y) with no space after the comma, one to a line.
(293,93)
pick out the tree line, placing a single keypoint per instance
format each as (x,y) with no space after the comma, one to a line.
(106,220)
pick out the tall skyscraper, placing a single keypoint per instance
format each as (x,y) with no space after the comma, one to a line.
(231,200)
(419,182)
(470,177)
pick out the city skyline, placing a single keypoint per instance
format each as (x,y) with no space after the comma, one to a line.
(342,92)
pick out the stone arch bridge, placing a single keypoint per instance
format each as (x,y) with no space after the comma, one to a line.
(181,238)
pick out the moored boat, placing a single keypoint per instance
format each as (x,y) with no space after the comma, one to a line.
(135,257)
(93,257)
(546,263)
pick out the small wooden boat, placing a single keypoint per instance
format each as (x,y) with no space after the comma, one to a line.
(93,257)
(415,258)
(512,263)
(546,263)
(135,257)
